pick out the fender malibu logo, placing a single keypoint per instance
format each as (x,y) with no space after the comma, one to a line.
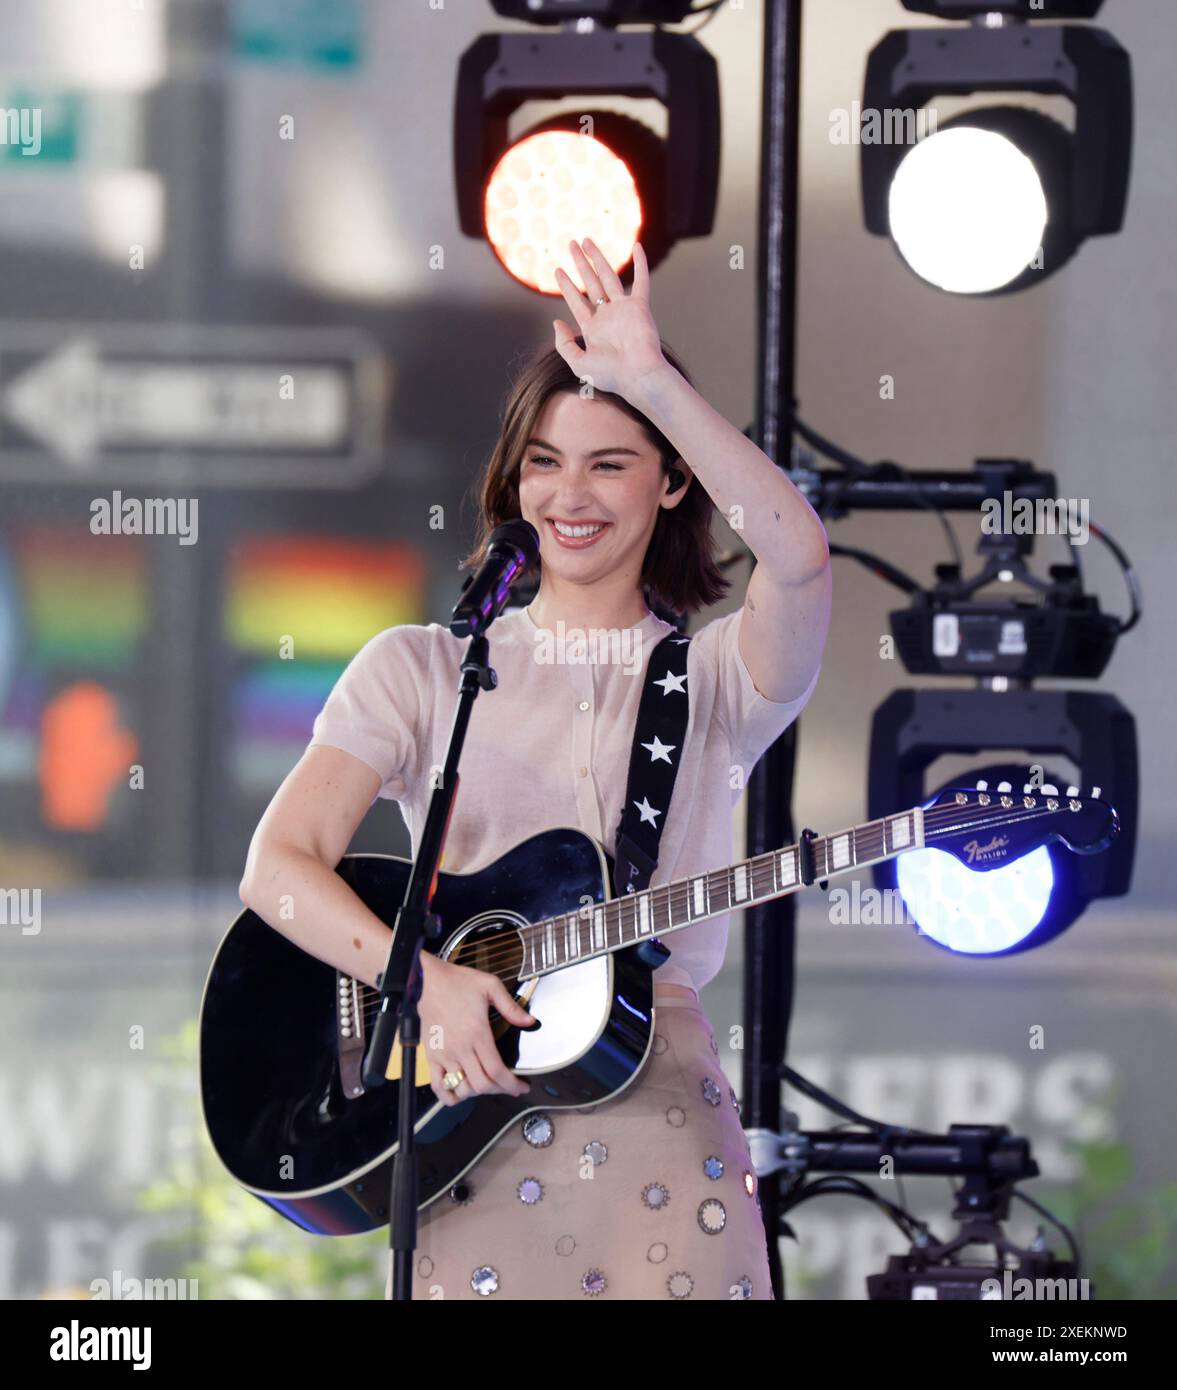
(995,849)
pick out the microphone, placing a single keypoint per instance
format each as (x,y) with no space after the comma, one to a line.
(514,546)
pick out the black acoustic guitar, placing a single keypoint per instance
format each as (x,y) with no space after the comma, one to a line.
(283,1036)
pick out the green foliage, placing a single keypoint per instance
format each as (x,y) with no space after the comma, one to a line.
(236,1247)
(228,1240)
(1129,1241)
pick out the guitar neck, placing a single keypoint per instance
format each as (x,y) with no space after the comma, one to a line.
(597,929)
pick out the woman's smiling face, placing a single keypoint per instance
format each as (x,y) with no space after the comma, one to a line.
(589,464)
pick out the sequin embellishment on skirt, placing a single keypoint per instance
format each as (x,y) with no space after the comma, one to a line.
(538,1131)
(641,1196)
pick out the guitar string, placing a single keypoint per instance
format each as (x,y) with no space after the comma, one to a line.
(510,952)
(496,955)
(680,892)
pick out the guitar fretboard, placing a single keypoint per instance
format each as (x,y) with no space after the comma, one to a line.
(598,928)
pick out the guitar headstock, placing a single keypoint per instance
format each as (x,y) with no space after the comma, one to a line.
(985,828)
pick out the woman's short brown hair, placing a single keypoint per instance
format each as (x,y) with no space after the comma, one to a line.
(679,572)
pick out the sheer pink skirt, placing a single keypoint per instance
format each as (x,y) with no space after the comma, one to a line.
(649,1195)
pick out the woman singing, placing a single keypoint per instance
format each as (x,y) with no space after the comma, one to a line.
(616,460)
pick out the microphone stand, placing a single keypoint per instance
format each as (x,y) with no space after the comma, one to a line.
(400,983)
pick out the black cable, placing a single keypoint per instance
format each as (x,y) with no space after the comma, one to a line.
(883,569)
(815,1092)
(1076,1257)
(859,468)
(880,567)
(897,1178)
(905,1220)
(710,11)
(938,512)
(850,462)
(855,1187)
(1131,578)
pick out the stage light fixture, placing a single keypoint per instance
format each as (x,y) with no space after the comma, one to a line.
(998,197)
(591,172)
(1020,9)
(603,12)
(556,183)
(1005,622)
(1012,908)
(984,912)
(976,913)
(974,207)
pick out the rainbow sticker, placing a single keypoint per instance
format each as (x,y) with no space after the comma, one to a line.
(296,611)
(83,597)
(328,596)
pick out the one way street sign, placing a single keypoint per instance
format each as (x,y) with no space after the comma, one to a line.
(220,406)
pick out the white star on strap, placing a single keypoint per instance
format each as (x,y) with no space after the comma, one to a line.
(659,750)
(671,682)
(647,812)
(678,641)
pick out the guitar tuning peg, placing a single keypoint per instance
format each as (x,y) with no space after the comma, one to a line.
(1095,791)
(1048,790)
(1072,791)
(982,786)
(1004,787)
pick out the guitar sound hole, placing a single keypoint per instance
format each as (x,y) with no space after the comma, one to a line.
(495,950)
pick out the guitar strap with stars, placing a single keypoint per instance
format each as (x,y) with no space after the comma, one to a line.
(659,736)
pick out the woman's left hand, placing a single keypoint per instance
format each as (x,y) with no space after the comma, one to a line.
(621,340)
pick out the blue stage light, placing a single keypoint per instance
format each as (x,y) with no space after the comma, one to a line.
(973,912)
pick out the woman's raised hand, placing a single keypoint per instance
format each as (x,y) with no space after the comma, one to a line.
(621,340)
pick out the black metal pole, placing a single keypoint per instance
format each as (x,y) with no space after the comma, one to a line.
(770,929)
